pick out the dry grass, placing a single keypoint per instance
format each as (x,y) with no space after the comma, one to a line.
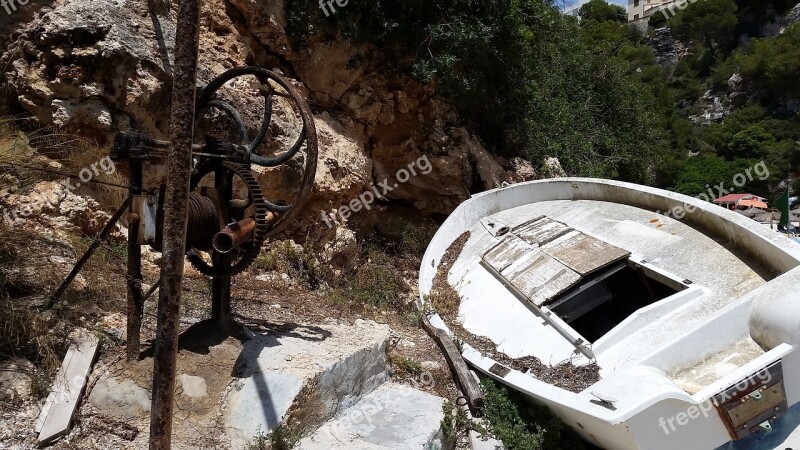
(22,143)
(25,332)
(15,151)
(443,297)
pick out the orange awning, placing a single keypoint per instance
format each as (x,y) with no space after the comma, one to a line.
(753,204)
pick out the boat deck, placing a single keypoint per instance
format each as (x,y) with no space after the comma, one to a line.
(709,274)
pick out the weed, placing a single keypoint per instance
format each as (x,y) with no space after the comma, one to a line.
(260,442)
(457,421)
(406,365)
(523,425)
(283,439)
(298,262)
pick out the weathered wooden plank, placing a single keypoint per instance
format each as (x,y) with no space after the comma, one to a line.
(540,277)
(56,416)
(539,232)
(583,253)
(502,255)
(469,386)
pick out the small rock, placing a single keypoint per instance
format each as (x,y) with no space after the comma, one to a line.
(405,343)
(430,366)
(16,379)
(193,387)
(553,169)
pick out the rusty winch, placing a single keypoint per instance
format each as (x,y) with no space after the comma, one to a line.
(229,215)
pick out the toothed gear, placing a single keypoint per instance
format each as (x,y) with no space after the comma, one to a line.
(246,153)
(251,249)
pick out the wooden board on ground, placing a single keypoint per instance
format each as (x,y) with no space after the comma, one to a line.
(56,416)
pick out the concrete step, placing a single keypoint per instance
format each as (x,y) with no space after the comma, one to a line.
(229,393)
(393,417)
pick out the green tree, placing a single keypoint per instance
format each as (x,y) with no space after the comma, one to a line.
(773,65)
(522,73)
(750,143)
(712,22)
(601,11)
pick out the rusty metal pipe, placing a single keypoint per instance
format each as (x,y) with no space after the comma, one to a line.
(234,235)
(176,206)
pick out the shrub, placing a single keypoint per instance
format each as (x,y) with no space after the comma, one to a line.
(522,425)
(376,284)
(298,262)
(518,70)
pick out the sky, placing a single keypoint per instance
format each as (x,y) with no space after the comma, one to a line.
(572,3)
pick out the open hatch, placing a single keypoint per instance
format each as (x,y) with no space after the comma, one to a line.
(590,284)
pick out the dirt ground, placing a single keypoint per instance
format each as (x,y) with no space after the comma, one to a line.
(267,302)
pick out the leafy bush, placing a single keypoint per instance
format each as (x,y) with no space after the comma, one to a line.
(522,425)
(711,22)
(772,65)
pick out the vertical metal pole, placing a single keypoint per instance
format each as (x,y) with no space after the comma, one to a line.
(175,222)
(134,278)
(221,293)
(221,286)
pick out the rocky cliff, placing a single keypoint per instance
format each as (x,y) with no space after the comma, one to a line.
(96,67)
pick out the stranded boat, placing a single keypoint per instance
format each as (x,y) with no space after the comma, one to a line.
(640,330)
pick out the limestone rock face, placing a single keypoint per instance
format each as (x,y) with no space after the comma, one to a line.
(668,50)
(714,109)
(792,17)
(92,66)
(97,67)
